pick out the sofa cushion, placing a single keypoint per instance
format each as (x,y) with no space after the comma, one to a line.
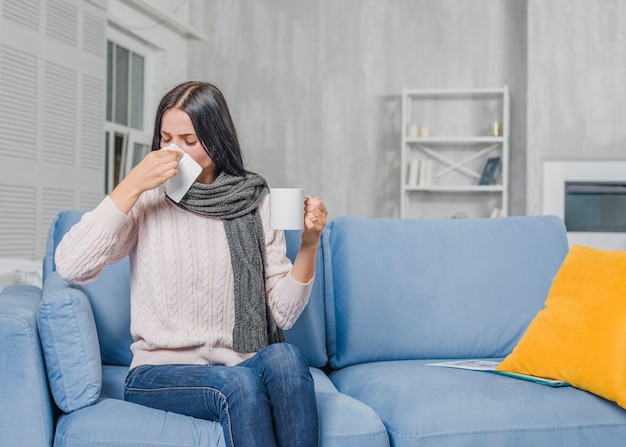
(59,226)
(430,406)
(109,295)
(455,288)
(117,423)
(579,335)
(69,341)
(344,421)
(309,332)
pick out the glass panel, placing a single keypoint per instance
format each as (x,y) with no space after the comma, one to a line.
(139,151)
(109,111)
(118,160)
(121,85)
(595,206)
(107,141)
(136,93)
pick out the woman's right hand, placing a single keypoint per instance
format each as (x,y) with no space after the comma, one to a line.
(154,170)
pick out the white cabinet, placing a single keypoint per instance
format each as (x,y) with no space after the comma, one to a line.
(451,142)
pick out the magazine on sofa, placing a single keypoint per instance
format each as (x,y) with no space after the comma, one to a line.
(490,366)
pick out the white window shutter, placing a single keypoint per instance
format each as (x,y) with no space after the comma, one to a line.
(52,90)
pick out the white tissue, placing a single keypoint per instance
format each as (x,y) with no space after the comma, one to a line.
(188,172)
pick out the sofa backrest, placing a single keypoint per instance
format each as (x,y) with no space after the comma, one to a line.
(309,332)
(109,296)
(431,289)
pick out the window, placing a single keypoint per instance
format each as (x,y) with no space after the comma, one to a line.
(125,85)
(126,141)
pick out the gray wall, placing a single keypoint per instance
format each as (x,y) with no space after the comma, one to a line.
(314,86)
(576,84)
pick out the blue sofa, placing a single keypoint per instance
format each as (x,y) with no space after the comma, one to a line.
(390,297)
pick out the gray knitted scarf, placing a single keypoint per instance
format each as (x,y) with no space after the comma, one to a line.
(235,200)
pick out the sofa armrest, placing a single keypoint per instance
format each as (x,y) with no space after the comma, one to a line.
(24,397)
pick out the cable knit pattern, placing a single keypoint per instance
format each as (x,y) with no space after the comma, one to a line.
(182,299)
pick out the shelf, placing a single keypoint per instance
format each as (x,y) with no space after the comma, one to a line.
(441,173)
(455,188)
(455,92)
(454,140)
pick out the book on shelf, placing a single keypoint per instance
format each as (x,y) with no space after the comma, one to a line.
(489,174)
(414,171)
(426,173)
(496,212)
(420,172)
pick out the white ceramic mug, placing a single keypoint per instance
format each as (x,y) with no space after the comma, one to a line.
(286,208)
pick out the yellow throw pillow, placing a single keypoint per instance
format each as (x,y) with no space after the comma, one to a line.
(580,335)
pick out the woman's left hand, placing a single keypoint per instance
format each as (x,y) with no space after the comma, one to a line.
(314,220)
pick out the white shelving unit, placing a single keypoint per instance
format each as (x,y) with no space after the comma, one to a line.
(450,132)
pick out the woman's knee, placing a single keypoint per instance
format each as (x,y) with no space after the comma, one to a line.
(243,380)
(284,359)
(284,353)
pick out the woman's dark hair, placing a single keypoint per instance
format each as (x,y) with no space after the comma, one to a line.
(207,108)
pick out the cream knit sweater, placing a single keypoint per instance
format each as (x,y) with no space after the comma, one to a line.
(181,279)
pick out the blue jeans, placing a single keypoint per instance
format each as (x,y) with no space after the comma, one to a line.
(267,400)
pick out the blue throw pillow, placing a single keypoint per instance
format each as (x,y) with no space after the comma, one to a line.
(69,341)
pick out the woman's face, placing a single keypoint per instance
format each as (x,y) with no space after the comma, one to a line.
(176,128)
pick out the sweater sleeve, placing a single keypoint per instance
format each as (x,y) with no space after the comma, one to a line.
(102,236)
(286,297)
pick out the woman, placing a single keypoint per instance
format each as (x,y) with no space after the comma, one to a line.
(211,287)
